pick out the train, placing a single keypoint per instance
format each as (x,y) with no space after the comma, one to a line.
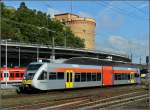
(11,75)
(46,76)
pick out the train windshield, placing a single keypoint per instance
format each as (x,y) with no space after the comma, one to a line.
(33,67)
(29,76)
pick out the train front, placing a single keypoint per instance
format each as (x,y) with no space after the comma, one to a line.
(26,85)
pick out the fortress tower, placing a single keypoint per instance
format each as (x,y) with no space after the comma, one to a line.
(81,27)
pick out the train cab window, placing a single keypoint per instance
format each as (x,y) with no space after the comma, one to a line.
(77,77)
(98,76)
(93,76)
(83,77)
(43,76)
(89,77)
(52,76)
(17,75)
(60,75)
(34,66)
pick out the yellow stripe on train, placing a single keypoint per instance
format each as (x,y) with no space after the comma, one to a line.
(26,81)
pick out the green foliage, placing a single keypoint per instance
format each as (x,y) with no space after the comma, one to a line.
(23,24)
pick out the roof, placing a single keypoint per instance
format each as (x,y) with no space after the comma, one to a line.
(66,14)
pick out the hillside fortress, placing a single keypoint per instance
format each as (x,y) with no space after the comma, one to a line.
(81,27)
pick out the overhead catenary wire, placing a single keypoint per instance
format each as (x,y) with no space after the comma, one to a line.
(122,11)
(135,7)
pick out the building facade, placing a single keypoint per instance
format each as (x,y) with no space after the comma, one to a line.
(81,27)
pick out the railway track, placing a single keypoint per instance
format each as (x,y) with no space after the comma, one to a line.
(113,101)
(97,102)
(68,99)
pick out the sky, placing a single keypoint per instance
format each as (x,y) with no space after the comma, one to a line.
(121,26)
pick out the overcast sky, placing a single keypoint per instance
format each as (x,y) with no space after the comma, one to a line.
(121,26)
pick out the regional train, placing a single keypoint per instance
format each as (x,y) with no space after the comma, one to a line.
(11,75)
(53,76)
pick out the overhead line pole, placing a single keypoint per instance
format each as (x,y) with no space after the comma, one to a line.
(149,55)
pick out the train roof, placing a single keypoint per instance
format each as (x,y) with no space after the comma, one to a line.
(89,61)
(96,61)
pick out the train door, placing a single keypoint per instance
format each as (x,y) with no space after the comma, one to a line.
(132,78)
(69,79)
(107,76)
(6,76)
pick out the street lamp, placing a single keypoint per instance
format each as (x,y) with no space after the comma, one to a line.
(37,55)
(6,71)
(53,44)
(65,29)
(18,55)
(53,41)
(65,41)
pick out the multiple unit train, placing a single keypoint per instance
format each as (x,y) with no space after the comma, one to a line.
(11,75)
(52,76)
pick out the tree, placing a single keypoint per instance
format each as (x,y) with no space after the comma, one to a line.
(22,25)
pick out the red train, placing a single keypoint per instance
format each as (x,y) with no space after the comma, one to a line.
(11,75)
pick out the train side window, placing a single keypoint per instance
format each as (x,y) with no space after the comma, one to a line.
(118,76)
(93,76)
(1,75)
(17,75)
(128,76)
(83,77)
(77,77)
(89,77)
(52,76)
(115,76)
(122,76)
(60,75)
(11,75)
(22,74)
(43,76)
(98,76)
